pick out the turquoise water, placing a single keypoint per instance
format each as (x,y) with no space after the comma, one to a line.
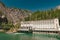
(26,36)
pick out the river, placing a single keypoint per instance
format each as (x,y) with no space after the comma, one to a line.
(27,36)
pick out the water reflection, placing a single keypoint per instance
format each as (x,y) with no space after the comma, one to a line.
(24,36)
(35,37)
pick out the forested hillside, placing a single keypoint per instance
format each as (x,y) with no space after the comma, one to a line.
(41,15)
(10,18)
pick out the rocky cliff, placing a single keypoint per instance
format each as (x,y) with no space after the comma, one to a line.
(14,15)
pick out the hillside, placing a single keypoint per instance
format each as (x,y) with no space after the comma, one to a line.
(12,16)
(42,15)
(14,12)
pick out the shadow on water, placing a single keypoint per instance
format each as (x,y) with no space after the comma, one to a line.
(29,36)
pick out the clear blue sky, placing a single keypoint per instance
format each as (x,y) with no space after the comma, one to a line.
(32,4)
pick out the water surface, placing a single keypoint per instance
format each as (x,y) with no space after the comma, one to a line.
(26,36)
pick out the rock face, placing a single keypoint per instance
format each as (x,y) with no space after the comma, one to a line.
(14,15)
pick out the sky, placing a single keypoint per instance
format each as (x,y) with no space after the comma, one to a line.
(32,4)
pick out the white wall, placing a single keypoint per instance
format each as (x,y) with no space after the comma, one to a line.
(52,24)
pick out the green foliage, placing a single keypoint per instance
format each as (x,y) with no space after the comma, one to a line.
(48,14)
(7,26)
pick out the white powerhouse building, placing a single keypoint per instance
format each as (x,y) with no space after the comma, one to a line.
(42,25)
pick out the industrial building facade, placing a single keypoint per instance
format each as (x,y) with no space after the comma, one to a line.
(41,25)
